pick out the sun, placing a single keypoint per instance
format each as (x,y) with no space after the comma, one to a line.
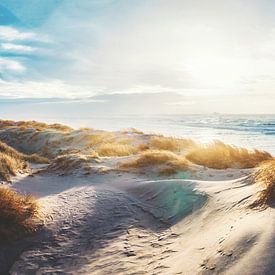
(214,71)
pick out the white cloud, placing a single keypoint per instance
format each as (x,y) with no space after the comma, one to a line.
(14,43)
(42,89)
(161,45)
(11,66)
(17,47)
(12,34)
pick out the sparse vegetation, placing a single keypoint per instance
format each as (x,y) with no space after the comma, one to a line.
(127,147)
(142,147)
(69,163)
(131,131)
(117,144)
(35,158)
(12,161)
(17,215)
(218,155)
(114,149)
(265,179)
(167,162)
(95,139)
(8,150)
(86,129)
(170,143)
(5,149)
(9,166)
(39,126)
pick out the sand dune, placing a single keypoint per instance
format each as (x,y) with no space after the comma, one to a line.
(137,226)
(99,219)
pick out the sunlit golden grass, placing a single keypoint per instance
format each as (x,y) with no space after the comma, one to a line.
(6,123)
(264,177)
(114,149)
(35,158)
(12,161)
(86,129)
(131,131)
(170,143)
(167,162)
(9,166)
(142,147)
(46,151)
(70,163)
(67,163)
(218,155)
(98,138)
(34,124)
(124,140)
(8,150)
(17,215)
(106,144)
(115,144)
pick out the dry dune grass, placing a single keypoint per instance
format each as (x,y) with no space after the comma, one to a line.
(106,144)
(170,143)
(167,162)
(10,166)
(34,124)
(265,178)
(40,126)
(218,155)
(46,151)
(4,148)
(125,140)
(12,161)
(142,147)
(66,164)
(98,138)
(131,131)
(86,129)
(115,149)
(6,123)
(35,158)
(215,155)
(7,150)
(69,163)
(121,146)
(17,215)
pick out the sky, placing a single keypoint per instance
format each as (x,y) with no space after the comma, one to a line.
(197,56)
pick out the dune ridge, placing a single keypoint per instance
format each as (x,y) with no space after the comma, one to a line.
(56,139)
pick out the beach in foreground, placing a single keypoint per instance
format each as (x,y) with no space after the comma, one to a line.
(127,202)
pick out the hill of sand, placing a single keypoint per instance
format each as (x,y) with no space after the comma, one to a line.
(99,219)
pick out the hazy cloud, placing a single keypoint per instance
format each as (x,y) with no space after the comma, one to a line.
(12,34)
(204,49)
(17,47)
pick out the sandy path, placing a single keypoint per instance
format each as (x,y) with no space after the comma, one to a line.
(96,230)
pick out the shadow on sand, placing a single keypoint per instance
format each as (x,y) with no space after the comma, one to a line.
(96,217)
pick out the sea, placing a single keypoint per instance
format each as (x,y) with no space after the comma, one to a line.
(250,131)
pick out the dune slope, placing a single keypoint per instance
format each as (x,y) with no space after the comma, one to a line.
(131,227)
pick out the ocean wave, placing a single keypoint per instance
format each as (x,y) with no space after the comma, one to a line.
(264,125)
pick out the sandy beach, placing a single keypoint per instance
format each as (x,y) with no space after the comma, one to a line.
(98,219)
